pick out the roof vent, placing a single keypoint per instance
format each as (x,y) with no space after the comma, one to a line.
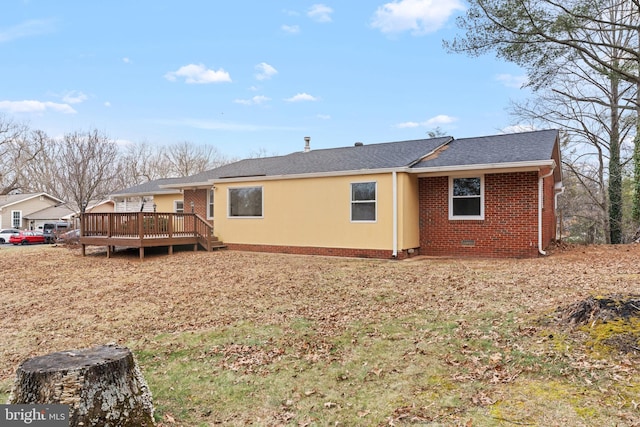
(358,144)
(307,146)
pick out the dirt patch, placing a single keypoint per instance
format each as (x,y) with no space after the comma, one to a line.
(612,321)
(601,308)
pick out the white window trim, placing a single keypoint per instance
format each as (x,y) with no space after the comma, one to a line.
(351,202)
(229,216)
(12,223)
(175,206)
(466,217)
(211,192)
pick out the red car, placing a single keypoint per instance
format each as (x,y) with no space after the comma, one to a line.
(26,238)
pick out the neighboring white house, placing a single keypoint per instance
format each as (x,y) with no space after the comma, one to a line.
(16,209)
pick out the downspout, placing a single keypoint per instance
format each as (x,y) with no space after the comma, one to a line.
(540,206)
(394,185)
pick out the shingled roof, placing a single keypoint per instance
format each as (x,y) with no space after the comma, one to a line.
(497,149)
(362,157)
(418,155)
(157,186)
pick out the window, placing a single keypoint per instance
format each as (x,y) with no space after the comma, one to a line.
(210,204)
(466,198)
(16,219)
(363,201)
(178,206)
(245,202)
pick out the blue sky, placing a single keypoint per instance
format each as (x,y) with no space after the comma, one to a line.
(248,76)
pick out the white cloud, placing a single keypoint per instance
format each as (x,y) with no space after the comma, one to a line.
(441,119)
(74,97)
(29,28)
(107,104)
(290,12)
(320,13)
(509,80)
(31,106)
(418,16)
(256,100)
(518,129)
(323,116)
(126,60)
(291,29)
(198,74)
(301,97)
(407,125)
(265,71)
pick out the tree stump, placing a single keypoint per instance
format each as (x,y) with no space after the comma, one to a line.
(103,386)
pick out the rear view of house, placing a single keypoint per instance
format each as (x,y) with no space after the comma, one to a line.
(492,196)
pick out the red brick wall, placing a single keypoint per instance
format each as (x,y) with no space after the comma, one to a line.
(510,225)
(199,199)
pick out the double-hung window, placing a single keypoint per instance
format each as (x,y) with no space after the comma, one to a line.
(210,204)
(363,201)
(245,202)
(466,197)
(178,206)
(16,219)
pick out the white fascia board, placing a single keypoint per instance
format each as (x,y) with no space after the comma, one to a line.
(490,167)
(146,193)
(179,186)
(305,175)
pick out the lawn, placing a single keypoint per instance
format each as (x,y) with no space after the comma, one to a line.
(236,338)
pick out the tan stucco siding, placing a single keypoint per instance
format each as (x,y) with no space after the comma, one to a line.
(166,202)
(408,212)
(308,212)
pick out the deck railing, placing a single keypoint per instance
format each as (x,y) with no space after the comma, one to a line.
(145,225)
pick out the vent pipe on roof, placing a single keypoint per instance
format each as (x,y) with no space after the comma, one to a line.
(307,146)
(358,144)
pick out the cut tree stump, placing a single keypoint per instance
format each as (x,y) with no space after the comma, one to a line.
(103,386)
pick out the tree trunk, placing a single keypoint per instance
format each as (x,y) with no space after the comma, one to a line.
(103,386)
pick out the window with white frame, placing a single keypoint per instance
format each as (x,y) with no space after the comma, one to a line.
(363,201)
(466,197)
(16,219)
(245,202)
(210,198)
(178,206)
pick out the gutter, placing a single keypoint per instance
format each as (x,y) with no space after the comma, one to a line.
(394,185)
(540,206)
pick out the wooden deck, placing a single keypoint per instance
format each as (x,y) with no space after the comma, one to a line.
(144,230)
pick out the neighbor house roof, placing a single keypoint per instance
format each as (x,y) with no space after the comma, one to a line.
(52,213)
(11,199)
(150,187)
(419,156)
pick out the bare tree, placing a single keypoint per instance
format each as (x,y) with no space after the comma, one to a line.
(186,158)
(142,162)
(549,37)
(87,167)
(20,148)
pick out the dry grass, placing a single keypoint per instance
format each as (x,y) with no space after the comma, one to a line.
(457,342)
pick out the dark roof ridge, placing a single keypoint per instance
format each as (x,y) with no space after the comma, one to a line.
(364,144)
(497,135)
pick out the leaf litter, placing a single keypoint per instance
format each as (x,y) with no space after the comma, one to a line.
(85,301)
